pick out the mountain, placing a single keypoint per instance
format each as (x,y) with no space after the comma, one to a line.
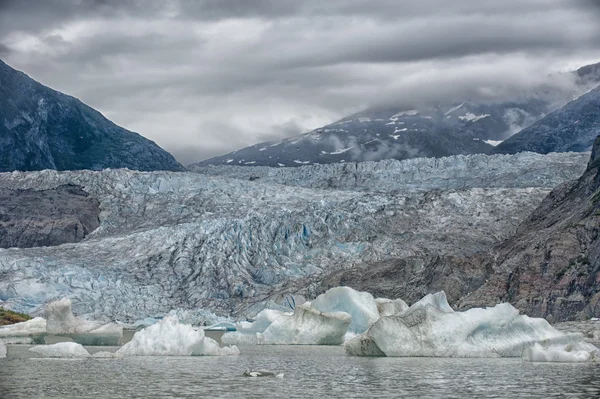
(573,127)
(41,128)
(551,266)
(227,245)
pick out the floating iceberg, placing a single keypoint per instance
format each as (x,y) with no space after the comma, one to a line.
(27,332)
(571,353)
(170,338)
(62,349)
(60,321)
(2,350)
(389,307)
(306,326)
(431,328)
(360,305)
(246,330)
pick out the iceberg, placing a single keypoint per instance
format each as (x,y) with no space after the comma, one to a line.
(62,349)
(360,305)
(27,332)
(61,321)
(247,330)
(431,328)
(571,353)
(389,307)
(306,326)
(170,338)
(2,350)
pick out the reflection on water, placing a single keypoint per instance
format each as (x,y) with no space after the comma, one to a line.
(309,371)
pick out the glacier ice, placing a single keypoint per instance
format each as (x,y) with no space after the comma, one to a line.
(2,350)
(360,305)
(61,349)
(247,330)
(170,338)
(191,241)
(570,353)
(431,328)
(61,321)
(390,307)
(306,326)
(27,332)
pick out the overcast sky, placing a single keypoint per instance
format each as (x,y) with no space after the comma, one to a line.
(205,77)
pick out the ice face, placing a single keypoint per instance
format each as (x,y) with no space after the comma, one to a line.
(360,305)
(62,349)
(431,328)
(61,321)
(170,338)
(306,326)
(571,353)
(30,331)
(389,307)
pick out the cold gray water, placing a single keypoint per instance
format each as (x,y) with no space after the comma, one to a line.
(309,371)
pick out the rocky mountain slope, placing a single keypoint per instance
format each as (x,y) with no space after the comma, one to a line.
(187,240)
(41,128)
(449,128)
(551,266)
(30,218)
(573,127)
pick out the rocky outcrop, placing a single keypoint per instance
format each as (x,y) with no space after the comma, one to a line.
(30,218)
(41,128)
(551,266)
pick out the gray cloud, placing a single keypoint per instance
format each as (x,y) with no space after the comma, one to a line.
(204,77)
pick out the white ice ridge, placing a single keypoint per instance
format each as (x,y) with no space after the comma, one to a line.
(25,332)
(306,326)
(170,338)
(61,349)
(360,305)
(60,321)
(339,313)
(430,328)
(570,353)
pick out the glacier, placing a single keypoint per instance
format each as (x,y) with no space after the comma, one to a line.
(190,241)
(431,328)
(168,337)
(61,349)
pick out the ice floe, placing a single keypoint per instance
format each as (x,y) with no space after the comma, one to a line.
(431,328)
(61,321)
(306,326)
(360,305)
(170,338)
(570,353)
(27,332)
(61,349)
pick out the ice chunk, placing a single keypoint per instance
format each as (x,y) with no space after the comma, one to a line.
(306,326)
(170,338)
(246,331)
(360,305)
(2,350)
(431,328)
(388,307)
(60,321)
(107,355)
(571,353)
(62,349)
(30,331)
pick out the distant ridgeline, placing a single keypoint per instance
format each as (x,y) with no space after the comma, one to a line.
(44,129)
